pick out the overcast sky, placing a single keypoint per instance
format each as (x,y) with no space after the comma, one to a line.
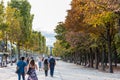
(47,13)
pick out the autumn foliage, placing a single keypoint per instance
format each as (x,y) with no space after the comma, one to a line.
(90,29)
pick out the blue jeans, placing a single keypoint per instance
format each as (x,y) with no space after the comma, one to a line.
(19,76)
(51,71)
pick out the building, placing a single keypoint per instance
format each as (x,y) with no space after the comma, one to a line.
(51,53)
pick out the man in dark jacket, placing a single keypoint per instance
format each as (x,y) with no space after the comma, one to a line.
(52,64)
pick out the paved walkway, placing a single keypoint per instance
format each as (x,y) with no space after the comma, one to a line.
(63,71)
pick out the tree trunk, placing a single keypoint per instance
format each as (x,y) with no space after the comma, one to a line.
(85,59)
(103,57)
(110,58)
(109,48)
(96,58)
(80,61)
(79,58)
(18,47)
(6,45)
(115,56)
(76,57)
(88,59)
(91,58)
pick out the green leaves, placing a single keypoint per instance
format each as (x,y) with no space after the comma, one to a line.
(60,30)
(16,23)
(88,18)
(26,25)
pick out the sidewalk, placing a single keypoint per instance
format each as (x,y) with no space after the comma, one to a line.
(8,73)
(63,71)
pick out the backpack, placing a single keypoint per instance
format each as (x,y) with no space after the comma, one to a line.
(52,61)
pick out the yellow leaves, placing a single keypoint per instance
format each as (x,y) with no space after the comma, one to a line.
(90,16)
(100,18)
(13,20)
(104,18)
(1,35)
(108,16)
(58,49)
(10,13)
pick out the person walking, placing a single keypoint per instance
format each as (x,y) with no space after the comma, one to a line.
(27,60)
(32,67)
(40,63)
(21,67)
(0,61)
(46,67)
(52,64)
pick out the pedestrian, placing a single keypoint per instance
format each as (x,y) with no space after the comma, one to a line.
(21,67)
(27,60)
(48,58)
(32,67)
(46,67)
(52,64)
(40,63)
(0,61)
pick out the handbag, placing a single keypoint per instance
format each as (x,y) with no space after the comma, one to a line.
(29,71)
(17,70)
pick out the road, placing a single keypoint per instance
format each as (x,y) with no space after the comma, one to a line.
(63,71)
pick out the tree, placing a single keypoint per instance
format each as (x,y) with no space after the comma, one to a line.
(61,34)
(3,25)
(13,20)
(26,25)
(58,50)
(94,18)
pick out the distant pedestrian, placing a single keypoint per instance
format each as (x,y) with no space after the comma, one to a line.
(48,58)
(21,67)
(40,63)
(32,66)
(0,61)
(32,57)
(27,61)
(52,64)
(46,67)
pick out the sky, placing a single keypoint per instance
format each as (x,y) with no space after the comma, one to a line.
(47,14)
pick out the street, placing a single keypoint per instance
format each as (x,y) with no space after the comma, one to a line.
(63,71)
